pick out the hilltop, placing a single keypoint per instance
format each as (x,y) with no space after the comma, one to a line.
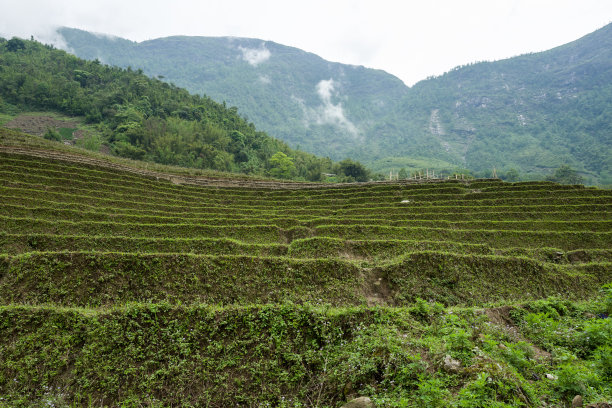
(530,113)
(122,285)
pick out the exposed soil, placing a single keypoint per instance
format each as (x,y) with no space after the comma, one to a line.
(38,125)
(500,316)
(377,287)
(578,256)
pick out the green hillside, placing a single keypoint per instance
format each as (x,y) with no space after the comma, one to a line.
(309,102)
(122,285)
(133,116)
(531,113)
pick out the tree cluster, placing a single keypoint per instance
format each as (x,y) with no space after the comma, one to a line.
(144,118)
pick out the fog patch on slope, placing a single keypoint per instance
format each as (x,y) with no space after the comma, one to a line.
(255,56)
(329,113)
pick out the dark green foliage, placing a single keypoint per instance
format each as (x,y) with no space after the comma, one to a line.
(52,134)
(15,44)
(565,175)
(281,166)
(354,171)
(142,118)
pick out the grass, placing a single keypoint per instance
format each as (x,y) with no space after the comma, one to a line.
(5,118)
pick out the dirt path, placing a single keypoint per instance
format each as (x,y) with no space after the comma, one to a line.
(500,316)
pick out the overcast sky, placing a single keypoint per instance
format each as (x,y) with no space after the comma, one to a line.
(410,39)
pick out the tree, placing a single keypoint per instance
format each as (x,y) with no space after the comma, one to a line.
(403,174)
(511,175)
(353,169)
(15,44)
(565,175)
(281,166)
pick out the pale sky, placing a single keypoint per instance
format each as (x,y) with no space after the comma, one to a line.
(409,39)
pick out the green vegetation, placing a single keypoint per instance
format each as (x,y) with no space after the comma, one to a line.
(126,286)
(531,114)
(142,118)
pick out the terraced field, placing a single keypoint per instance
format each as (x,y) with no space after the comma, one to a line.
(121,287)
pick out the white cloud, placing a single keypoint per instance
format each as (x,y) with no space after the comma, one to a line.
(264,79)
(329,113)
(104,36)
(255,56)
(54,38)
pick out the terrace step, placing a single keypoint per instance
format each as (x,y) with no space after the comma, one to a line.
(103,279)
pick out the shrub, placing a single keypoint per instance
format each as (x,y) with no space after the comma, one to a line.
(52,134)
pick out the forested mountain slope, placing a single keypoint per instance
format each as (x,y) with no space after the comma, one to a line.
(143,118)
(531,113)
(323,107)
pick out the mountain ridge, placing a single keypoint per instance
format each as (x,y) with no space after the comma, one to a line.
(502,114)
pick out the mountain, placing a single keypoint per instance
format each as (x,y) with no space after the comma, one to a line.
(321,106)
(531,113)
(143,118)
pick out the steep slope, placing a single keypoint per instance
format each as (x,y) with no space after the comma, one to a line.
(140,117)
(532,113)
(321,106)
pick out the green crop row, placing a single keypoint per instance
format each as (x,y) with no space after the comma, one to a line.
(110,173)
(556,255)
(32,200)
(317,247)
(20,243)
(75,176)
(384,250)
(377,250)
(550,186)
(533,225)
(565,240)
(471,279)
(94,197)
(88,213)
(267,233)
(105,279)
(96,279)
(287,222)
(253,233)
(217,197)
(294,356)
(88,184)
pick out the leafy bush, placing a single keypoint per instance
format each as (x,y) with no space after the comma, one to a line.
(574,379)
(52,134)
